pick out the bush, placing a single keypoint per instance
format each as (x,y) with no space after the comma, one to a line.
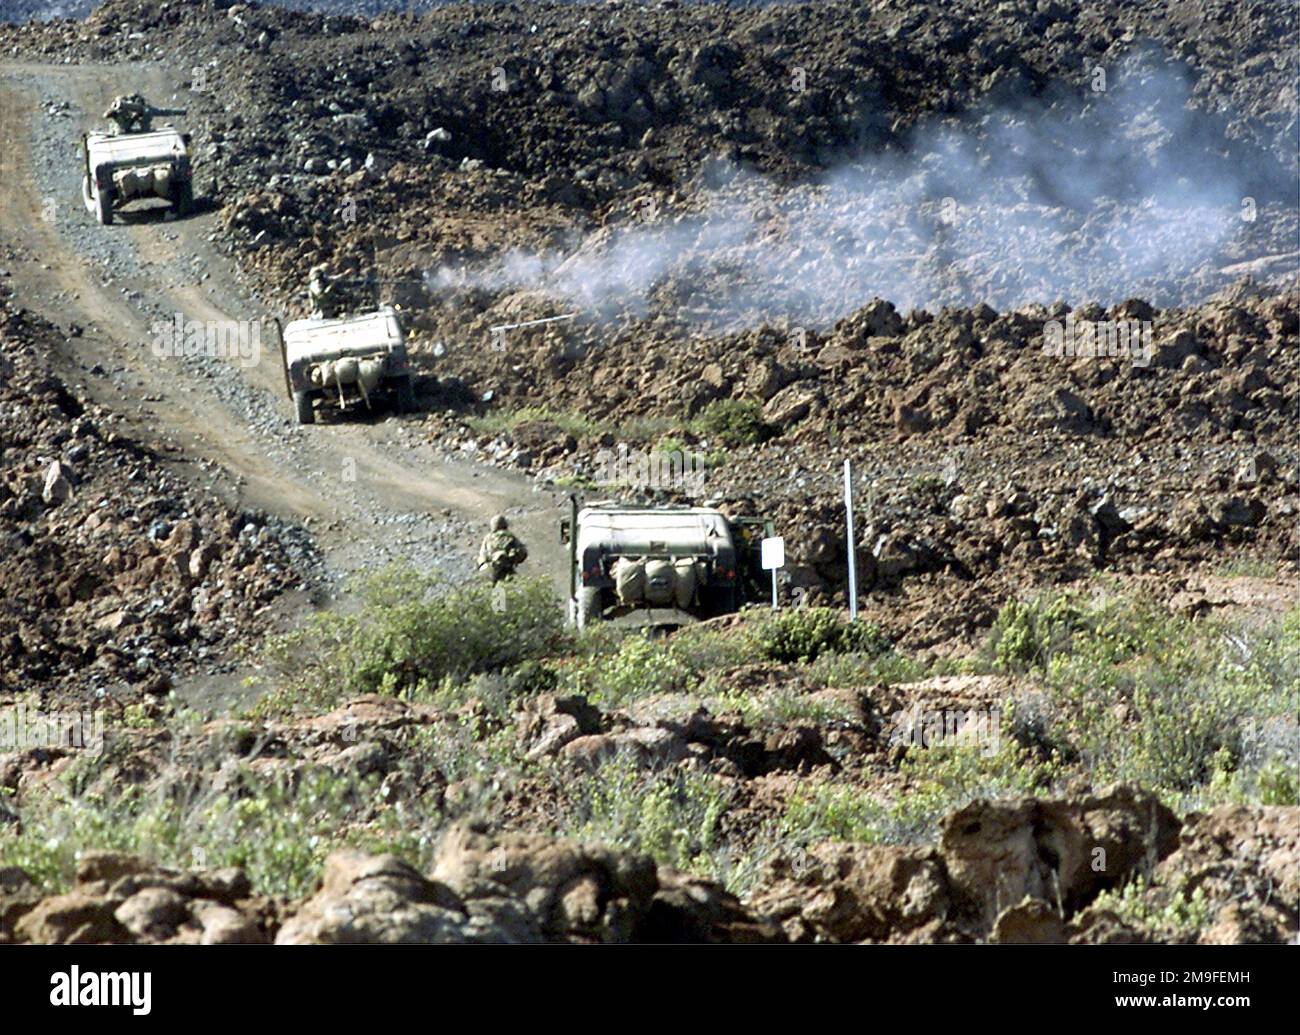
(405,638)
(1168,915)
(531,677)
(279,825)
(277,828)
(858,669)
(672,816)
(1203,710)
(641,667)
(939,780)
(801,634)
(1026,635)
(733,422)
(497,422)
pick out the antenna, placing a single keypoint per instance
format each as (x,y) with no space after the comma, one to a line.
(374,268)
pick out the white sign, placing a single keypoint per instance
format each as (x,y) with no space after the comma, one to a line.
(773,552)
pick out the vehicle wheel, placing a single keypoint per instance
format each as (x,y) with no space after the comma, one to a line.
(104,207)
(716,600)
(302,403)
(405,395)
(185,198)
(588,606)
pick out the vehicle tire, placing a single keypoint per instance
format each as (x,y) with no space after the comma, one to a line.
(104,207)
(405,395)
(717,600)
(302,404)
(588,606)
(185,198)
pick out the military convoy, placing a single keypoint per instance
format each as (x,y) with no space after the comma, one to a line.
(656,567)
(659,567)
(348,361)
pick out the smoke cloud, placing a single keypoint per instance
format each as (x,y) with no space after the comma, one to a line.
(1124,192)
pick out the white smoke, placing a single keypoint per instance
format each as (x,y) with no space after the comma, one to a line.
(1127,192)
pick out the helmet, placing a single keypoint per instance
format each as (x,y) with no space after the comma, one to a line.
(498,523)
(318,272)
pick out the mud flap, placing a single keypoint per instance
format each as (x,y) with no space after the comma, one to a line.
(284,359)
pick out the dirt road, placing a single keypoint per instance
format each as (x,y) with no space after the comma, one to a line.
(371,489)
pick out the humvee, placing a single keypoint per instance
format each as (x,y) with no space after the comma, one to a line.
(120,169)
(659,567)
(348,360)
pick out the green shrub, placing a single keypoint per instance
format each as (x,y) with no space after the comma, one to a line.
(931,492)
(639,668)
(802,634)
(408,639)
(673,816)
(834,812)
(1200,709)
(938,780)
(498,421)
(1168,915)
(531,677)
(667,446)
(278,825)
(856,669)
(733,422)
(1026,635)
(781,705)
(277,828)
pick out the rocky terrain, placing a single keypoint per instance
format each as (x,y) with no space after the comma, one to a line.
(118,575)
(781,235)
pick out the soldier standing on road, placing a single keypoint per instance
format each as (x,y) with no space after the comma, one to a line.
(501,552)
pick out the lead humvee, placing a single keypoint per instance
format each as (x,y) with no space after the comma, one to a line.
(348,360)
(123,168)
(659,567)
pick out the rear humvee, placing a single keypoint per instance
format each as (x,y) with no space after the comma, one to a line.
(659,566)
(120,169)
(349,360)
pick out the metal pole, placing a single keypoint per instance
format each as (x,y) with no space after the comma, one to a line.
(774,589)
(853,553)
(531,323)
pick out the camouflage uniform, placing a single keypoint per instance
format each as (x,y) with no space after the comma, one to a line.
(130,113)
(323,295)
(501,552)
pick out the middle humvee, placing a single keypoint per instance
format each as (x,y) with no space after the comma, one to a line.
(659,566)
(348,361)
(122,168)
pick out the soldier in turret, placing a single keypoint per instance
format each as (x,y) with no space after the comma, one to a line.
(131,113)
(325,296)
